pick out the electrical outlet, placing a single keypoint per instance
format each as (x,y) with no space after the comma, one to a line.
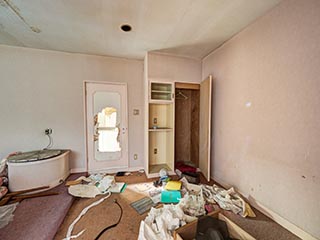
(135,156)
(155,121)
(136,112)
(155,151)
(48,131)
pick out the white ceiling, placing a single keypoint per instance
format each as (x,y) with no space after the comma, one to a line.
(191,28)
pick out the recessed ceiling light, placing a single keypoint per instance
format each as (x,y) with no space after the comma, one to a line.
(126,28)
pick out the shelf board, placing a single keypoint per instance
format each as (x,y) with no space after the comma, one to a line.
(161,91)
(160,101)
(160,129)
(155,168)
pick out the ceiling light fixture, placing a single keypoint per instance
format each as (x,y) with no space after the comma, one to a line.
(126,28)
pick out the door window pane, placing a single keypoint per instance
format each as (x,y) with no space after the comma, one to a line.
(107,123)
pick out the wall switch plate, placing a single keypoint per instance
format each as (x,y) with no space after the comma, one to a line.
(135,156)
(136,111)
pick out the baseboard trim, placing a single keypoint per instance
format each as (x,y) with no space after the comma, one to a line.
(77,170)
(271,214)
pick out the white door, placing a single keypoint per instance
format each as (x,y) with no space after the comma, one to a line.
(205,127)
(107,122)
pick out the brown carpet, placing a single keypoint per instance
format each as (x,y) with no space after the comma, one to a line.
(107,213)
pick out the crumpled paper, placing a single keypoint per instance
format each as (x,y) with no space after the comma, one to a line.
(227,199)
(161,222)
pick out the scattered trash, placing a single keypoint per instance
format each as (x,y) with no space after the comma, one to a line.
(190,187)
(227,199)
(155,195)
(96,184)
(192,200)
(164,178)
(193,204)
(191,177)
(3,191)
(173,185)
(160,222)
(6,214)
(84,191)
(143,205)
(170,196)
(3,181)
(78,181)
(105,183)
(118,187)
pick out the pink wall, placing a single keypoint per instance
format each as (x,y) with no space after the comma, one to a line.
(41,89)
(267,112)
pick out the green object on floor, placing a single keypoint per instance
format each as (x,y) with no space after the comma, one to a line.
(170,196)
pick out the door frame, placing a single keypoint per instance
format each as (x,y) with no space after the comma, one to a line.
(210,121)
(85,108)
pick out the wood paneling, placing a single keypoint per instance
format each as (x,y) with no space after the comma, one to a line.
(195,115)
(187,127)
(183,127)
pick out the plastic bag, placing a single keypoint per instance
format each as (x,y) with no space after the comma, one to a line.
(6,214)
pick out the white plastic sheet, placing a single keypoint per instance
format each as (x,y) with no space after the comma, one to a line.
(84,191)
(99,185)
(6,214)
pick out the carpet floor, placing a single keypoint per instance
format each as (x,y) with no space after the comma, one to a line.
(39,218)
(107,213)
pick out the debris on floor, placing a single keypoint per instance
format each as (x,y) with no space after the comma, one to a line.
(173,185)
(227,199)
(193,204)
(143,205)
(84,191)
(170,196)
(95,184)
(191,201)
(6,214)
(160,222)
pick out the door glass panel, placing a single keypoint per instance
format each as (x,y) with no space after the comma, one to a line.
(107,120)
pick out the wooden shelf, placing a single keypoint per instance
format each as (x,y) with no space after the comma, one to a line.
(161,92)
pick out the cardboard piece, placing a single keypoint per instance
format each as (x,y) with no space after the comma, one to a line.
(188,231)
